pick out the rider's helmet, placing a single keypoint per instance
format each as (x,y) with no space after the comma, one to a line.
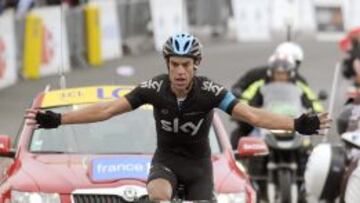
(280,61)
(324,171)
(185,45)
(293,49)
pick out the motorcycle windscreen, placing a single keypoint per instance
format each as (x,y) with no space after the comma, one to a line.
(282,98)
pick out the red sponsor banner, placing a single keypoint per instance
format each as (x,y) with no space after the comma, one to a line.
(7,49)
(2,58)
(47,46)
(54,48)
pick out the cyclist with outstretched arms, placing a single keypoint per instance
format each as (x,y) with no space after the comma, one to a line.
(183,109)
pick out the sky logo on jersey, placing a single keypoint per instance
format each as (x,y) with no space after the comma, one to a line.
(109,169)
(188,127)
(150,84)
(212,87)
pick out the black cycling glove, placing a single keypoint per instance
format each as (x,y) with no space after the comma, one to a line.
(49,119)
(307,124)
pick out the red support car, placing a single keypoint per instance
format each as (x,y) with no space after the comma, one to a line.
(102,162)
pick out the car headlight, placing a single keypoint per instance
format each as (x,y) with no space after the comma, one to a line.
(232,197)
(281,132)
(34,197)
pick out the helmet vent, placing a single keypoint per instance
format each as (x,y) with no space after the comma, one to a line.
(177,46)
(186,45)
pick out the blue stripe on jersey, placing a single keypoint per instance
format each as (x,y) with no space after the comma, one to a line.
(227,100)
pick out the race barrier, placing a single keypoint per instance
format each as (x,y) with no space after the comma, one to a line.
(8,70)
(110,29)
(103,37)
(32,46)
(352,13)
(299,14)
(167,19)
(93,35)
(251,19)
(330,19)
(46,48)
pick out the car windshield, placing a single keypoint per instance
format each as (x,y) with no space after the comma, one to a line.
(283,98)
(129,133)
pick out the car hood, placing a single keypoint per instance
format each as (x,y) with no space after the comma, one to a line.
(66,173)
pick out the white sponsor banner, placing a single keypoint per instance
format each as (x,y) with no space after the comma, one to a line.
(330,19)
(251,19)
(55,51)
(111,42)
(8,70)
(167,19)
(298,14)
(352,13)
(305,15)
(283,13)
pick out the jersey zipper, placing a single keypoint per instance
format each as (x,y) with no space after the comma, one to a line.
(174,100)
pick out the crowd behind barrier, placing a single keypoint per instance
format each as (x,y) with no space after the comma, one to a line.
(42,37)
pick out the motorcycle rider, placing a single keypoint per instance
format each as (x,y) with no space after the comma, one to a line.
(281,67)
(183,109)
(258,73)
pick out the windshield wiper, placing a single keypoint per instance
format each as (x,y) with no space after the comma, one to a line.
(50,152)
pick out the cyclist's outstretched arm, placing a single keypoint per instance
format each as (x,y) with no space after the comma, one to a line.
(97,112)
(89,114)
(305,124)
(261,118)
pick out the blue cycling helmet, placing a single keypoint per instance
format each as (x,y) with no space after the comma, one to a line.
(183,44)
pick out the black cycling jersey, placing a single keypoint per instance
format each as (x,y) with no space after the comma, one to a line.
(183,130)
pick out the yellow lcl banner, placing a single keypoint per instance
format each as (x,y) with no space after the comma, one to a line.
(85,95)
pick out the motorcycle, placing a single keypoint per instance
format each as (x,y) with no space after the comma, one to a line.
(279,176)
(332,171)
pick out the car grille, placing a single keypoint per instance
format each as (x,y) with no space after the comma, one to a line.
(86,198)
(122,194)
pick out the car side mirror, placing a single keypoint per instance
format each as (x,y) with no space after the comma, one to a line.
(322,95)
(5,147)
(252,146)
